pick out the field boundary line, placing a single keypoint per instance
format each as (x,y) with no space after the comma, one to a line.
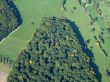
(8,35)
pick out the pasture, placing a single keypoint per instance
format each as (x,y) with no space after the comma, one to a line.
(32,12)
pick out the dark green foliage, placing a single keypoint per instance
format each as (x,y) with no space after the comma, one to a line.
(108,30)
(6,60)
(8,21)
(63,4)
(108,72)
(63,1)
(53,55)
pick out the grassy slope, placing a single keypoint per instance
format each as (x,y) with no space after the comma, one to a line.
(83,21)
(31,11)
(105,11)
(105,8)
(34,10)
(94,15)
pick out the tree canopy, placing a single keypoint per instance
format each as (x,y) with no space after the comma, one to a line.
(8,20)
(53,55)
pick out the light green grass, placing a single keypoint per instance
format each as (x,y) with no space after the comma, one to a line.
(31,11)
(35,10)
(102,61)
(82,20)
(94,15)
(105,12)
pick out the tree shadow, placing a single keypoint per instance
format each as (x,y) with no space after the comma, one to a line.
(86,50)
(15,11)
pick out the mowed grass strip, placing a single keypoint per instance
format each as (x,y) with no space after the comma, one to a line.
(82,20)
(5,68)
(105,14)
(96,17)
(105,11)
(106,46)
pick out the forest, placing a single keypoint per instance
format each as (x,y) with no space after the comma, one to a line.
(8,20)
(53,55)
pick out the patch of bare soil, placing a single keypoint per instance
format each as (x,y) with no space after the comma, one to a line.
(3,76)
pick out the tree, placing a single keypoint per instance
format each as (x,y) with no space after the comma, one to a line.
(63,4)
(8,20)
(53,55)
(108,30)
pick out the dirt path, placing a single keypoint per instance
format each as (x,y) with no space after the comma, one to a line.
(3,76)
(9,35)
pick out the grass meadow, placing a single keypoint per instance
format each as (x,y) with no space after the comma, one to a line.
(32,12)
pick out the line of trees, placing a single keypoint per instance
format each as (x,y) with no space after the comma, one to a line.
(6,60)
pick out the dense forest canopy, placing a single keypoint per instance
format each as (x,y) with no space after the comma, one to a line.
(8,20)
(53,55)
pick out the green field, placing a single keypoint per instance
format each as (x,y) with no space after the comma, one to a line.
(105,14)
(105,11)
(32,11)
(104,64)
(94,15)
